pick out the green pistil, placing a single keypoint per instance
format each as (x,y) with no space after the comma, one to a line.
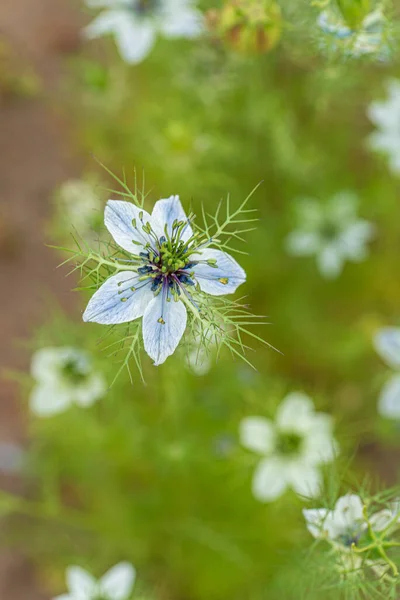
(288,443)
(73,372)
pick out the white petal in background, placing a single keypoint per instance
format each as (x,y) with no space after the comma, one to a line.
(181,19)
(269,480)
(46,401)
(354,239)
(330,261)
(118,582)
(295,412)
(222,279)
(387,344)
(81,585)
(305,479)
(164,323)
(134,39)
(257,434)
(389,400)
(107,307)
(302,243)
(347,512)
(315,518)
(106,22)
(165,212)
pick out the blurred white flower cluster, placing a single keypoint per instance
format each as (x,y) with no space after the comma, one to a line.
(365,38)
(351,532)
(331,232)
(293,448)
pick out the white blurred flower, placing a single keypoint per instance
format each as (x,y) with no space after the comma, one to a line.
(345,526)
(385,115)
(368,38)
(198,360)
(116,584)
(294,447)
(64,376)
(387,344)
(79,203)
(332,232)
(136,23)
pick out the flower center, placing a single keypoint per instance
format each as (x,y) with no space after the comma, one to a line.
(73,371)
(349,538)
(145,7)
(329,231)
(288,443)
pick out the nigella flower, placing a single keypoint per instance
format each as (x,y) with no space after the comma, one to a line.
(136,23)
(367,38)
(293,448)
(64,376)
(385,115)
(387,344)
(169,266)
(332,232)
(346,528)
(116,584)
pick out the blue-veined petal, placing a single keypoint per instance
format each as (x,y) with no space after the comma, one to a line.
(125,222)
(223,278)
(122,298)
(164,323)
(165,212)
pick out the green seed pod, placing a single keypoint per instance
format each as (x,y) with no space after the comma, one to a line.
(248,26)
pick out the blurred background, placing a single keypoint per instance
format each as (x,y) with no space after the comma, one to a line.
(155,473)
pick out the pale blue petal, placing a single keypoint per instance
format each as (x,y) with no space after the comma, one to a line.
(107,22)
(81,585)
(330,261)
(164,323)
(165,212)
(303,243)
(269,480)
(354,238)
(125,222)
(116,301)
(222,279)
(389,401)
(134,39)
(387,344)
(48,400)
(118,582)
(181,19)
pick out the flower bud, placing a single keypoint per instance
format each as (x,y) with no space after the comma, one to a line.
(354,11)
(248,26)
